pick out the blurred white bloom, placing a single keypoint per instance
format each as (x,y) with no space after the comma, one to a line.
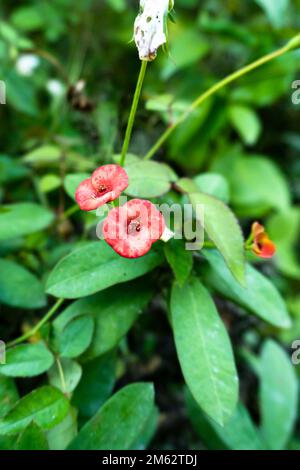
(167,235)
(55,87)
(150,27)
(26,64)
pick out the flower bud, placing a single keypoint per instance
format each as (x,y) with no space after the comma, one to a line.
(150,27)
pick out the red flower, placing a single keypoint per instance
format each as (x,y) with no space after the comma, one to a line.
(262,246)
(132,229)
(105,185)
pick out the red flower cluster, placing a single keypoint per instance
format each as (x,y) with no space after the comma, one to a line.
(130,229)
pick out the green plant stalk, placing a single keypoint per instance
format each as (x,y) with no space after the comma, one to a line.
(295,42)
(39,325)
(61,375)
(133,110)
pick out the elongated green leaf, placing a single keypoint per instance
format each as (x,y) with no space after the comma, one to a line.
(278,395)
(76,337)
(224,230)
(148,432)
(21,219)
(148,179)
(47,406)
(204,350)
(43,155)
(260,297)
(32,438)
(113,314)
(239,433)
(94,268)
(118,424)
(27,360)
(8,394)
(180,260)
(19,287)
(96,385)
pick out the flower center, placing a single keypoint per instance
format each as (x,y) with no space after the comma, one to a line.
(101,188)
(134,227)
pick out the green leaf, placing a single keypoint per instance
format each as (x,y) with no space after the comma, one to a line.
(148,179)
(22,219)
(94,268)
(27,19)
(278,395)
(148,432)
(204,350)
(27,360)
(113,314)
(239,433)
(214,185)
(76,336)
(49,183)
(47,406)
(19,287)
(188,47)
(7,442)
(11,169)
(246,122)
(283,228)
(63,433)
(252,180)
(71,183)
(118,424)
(96,385)
(224,230)
(32,438)
(43,155)
(260,297)
(275,11)
(21,92)
(8,394)
(71,372)
(180,260)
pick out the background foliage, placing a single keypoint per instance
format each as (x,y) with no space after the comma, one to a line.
(109,346)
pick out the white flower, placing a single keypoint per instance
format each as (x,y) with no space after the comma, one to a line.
(150,27)
(26,64)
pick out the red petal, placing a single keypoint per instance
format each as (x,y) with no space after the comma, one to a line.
(88,198)
(112,177)
(149,215)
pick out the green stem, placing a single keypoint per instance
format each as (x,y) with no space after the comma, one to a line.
(61,375)
(72,210)
(217,87)
(134,106)
(39,325)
